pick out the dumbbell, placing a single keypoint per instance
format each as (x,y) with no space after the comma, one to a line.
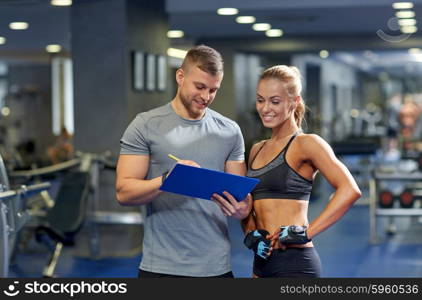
(407,198)
(386,199)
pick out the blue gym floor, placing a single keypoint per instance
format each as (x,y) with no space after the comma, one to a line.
(344,249)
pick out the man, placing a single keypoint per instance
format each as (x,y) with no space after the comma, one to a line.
(183,236)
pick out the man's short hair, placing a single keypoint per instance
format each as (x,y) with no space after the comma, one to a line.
(206,58)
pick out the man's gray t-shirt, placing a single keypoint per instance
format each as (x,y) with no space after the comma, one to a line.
(184,235)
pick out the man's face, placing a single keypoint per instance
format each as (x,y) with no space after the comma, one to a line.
(197,90)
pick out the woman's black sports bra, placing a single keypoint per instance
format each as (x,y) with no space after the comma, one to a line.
(278,180)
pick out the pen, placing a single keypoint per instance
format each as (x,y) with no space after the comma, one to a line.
(174,157)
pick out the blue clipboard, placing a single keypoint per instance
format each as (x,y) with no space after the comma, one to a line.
(202,183)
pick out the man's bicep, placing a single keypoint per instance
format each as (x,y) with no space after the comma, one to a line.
(237,167)
(132,166)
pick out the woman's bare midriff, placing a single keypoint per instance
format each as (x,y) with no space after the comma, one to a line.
(273,213)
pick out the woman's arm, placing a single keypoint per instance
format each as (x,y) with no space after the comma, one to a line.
(322,157)
(249,223)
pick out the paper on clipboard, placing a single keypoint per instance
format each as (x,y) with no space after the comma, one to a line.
(202,183)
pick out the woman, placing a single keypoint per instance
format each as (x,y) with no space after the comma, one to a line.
(278,229)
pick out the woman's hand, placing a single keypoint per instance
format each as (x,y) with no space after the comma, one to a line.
(275,240)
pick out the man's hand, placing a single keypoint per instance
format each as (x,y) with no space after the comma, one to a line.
(188,162)
(231,207)
(183,162)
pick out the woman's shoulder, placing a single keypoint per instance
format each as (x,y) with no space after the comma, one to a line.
(254,149)
(310,139)
(257,145)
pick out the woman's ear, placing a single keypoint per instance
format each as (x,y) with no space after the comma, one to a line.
(296,101)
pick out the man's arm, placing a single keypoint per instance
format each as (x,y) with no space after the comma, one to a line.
(229,205)
(131,186)
(236,167)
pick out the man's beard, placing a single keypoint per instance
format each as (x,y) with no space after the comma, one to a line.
(188,105)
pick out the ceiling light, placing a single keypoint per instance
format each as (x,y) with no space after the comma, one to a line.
(407,22)
(324,53)
(53,48)
(5,111)
(227,11)
(414,50)
(405,14)
(354,113)
(245,19)
(261,26)
(409,29)
(2,40)
(61,2)
(178,53)
(402,5)
(274,33)
(18,25)
(175,34)
(417,57)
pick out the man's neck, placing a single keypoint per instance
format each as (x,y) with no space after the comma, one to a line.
(181,110)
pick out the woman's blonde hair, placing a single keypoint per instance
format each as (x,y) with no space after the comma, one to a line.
(291,77)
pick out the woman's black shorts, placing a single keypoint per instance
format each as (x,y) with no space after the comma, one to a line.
(289,263)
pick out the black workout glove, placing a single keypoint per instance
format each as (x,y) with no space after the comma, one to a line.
(293,235)
(256,241)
